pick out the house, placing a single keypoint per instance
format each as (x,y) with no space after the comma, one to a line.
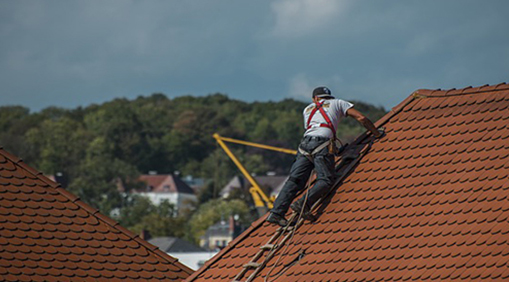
(174,245)
(187,253)
(160,187)
(428,202)
(220,234)
(269,183)
(48,234)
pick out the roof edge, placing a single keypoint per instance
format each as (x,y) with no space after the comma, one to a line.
(230,246)
(92,211)
(422,93)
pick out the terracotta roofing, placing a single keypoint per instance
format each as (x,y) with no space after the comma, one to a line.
(48,234)
(430,201)
(166,183)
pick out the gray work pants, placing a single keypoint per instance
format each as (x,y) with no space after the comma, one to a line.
(323,163)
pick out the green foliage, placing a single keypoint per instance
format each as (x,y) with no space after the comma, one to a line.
(140,214)
(212,212)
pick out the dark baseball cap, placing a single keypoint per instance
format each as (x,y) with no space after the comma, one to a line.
(322,92)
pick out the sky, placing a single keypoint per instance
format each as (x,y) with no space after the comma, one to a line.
(70,53)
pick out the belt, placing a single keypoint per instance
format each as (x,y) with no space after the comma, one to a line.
(318,138)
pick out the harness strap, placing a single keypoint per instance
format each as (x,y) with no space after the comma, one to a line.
(319,107)
(310,155)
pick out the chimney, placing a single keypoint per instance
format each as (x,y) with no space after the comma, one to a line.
(231,227)
(145,235)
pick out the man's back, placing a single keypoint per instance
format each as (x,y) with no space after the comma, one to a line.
(334,108)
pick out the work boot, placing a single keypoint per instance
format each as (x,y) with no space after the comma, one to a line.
(276,219)
(297,207)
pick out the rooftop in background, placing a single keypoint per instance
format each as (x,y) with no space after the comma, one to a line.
(48,234)
(174,245)
(269,183)
(165,183)
(428,201)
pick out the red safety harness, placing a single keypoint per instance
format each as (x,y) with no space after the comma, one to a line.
(333,141)
(319,107)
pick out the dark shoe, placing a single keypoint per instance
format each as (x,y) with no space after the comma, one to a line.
(277,219)
(297,207)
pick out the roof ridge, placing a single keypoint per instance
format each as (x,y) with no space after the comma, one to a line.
(423,93)
(91,210)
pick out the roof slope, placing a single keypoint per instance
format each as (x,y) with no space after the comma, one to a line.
(166,183)
(428,201)
(48,234)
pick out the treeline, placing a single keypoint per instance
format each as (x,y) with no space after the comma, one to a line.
(96,146)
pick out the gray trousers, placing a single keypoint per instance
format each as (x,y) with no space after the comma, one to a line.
(323,163)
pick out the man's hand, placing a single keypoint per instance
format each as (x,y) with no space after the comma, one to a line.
(381,132)
(364,121)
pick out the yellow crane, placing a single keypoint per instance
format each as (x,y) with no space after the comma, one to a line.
(261,200)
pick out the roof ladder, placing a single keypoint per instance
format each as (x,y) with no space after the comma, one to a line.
(348,161)
(272,246)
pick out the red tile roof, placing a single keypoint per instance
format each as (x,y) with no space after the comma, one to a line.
(165,183)
(48,234)
(429,201)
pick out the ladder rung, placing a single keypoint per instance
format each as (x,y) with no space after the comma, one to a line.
(252,265)
(267,247)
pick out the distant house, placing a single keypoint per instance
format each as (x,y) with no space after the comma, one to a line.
(187,253)
(160,187)
(220,234)
(174,245)
(269,183)
(195,183)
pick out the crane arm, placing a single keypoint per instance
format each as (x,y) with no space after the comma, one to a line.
(256,188)
(267,147)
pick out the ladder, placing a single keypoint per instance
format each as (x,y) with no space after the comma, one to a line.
(349,160)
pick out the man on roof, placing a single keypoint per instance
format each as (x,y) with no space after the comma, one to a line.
(316,150)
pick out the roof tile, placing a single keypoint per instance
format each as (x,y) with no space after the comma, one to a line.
(46,233)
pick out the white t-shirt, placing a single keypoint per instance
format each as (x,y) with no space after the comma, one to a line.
(335,109)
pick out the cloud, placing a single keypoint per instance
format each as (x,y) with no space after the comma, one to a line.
(298,18)
(70,53)
(301,85)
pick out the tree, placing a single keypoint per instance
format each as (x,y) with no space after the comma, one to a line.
(213,211)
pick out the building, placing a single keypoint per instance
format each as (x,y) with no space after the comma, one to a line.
(269,183)
(48,234)
(160,187)
(187,253)
(428,202)
(220,234)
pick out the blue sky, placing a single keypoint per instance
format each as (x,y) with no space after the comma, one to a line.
(72,53)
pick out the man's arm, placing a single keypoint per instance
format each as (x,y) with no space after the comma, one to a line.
(364,121)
